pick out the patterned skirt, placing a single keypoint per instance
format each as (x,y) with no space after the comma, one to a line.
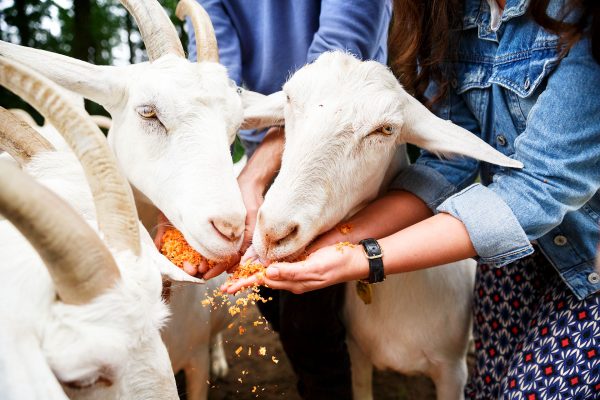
(533,338)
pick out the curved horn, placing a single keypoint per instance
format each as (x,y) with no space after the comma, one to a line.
(157,30)
(23,116)
(206,41)
(115,208)
(77,260)
(102,121)
(19,139)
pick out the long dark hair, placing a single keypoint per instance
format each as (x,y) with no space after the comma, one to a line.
(424,33)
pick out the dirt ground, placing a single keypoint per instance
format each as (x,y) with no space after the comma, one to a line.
(255,376)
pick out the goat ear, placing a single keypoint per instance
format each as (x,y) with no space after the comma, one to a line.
(100,84)
(262,111)
(424,129)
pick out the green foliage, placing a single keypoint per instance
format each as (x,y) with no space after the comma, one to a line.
(96,31)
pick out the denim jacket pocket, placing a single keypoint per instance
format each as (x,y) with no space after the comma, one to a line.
(524,76)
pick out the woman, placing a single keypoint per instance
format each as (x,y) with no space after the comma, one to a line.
(533,93)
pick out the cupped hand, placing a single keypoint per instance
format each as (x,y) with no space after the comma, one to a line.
(325,267)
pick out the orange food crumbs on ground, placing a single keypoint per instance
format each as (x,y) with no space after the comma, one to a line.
(177,250)
(238,351)
(262,351)
(242,330)
(274,359)
(345,229)
(340,246)
(254,389)
(249,351)
(230,326)
(240,379)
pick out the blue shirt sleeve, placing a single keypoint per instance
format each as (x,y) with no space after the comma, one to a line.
(357,26)
(227,38)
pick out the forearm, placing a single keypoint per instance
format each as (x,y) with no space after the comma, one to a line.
(266,160)
(438,240)
(387,215)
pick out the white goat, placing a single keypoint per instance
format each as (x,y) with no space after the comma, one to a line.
(173,122)
(90,318)
(346,124)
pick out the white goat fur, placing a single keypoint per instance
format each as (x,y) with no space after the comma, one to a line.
(179,160)
(115,336)
(192,333)
(335,161)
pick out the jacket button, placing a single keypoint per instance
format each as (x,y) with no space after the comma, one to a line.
(594,277)
(560,240)
(527,84)
(501,140)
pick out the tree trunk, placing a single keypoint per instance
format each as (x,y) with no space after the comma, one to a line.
(129,28)
(22,23)
(82,37)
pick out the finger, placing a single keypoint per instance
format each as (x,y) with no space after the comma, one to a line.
(203,266)
(215,271)
(294,287)
(250,254)
(282,271)
(190,268)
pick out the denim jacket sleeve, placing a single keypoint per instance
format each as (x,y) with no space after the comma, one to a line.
(229,44)
(560,148)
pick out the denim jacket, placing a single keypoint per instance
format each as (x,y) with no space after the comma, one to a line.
(512,90)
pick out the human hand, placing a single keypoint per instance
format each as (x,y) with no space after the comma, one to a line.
(325,267)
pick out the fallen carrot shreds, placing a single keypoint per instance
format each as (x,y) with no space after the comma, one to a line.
(249,351)
(274,359)
(242,330)
(345,229)
(177,250)
(238,351)
(254,389)
(262,351)
(340,246)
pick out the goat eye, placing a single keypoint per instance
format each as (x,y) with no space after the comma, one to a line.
(386,130)
(88,382)
(146,112)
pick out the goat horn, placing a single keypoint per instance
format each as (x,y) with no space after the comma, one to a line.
(206,41)
(78,262)
(102,121)
(19,139)
(23,116)
(115,208)
(157,30)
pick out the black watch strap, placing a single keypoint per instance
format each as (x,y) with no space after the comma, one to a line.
(375,256)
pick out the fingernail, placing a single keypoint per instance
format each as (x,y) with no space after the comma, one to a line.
(273,272)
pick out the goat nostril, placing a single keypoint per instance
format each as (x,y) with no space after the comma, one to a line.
(292,232)
(226,230)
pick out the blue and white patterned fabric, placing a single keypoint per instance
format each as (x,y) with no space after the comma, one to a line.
(534,340)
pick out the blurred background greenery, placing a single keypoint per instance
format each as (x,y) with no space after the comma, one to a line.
(97,31)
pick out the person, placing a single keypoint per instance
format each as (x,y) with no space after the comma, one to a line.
(525,77)
(262,42)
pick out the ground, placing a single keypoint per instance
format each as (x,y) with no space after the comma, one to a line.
(256,376)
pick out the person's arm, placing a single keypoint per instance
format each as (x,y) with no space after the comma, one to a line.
(560,149)
(359,27)
(227,38)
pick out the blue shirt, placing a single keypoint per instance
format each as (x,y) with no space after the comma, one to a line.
(263,42)
(512,90)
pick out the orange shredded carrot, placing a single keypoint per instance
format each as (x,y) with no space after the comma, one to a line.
(177,250)
(344,229)
(340,246)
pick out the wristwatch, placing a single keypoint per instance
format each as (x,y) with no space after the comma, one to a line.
(375,257)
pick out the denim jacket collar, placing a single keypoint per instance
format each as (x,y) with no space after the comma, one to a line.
(478,14)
